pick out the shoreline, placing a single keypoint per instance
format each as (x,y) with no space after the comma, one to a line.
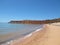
(12,42)
(50,35)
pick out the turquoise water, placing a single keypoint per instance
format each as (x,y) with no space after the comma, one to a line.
(10,31)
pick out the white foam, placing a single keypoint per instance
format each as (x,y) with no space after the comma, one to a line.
(8,42)
(37,30)
(28,35)
(32,33)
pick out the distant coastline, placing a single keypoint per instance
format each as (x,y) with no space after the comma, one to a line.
(36,21)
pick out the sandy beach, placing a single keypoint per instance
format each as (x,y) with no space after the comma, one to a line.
(49,35)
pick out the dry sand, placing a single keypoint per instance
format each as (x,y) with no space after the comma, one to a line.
(50,35)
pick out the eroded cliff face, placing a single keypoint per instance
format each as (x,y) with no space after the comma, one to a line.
(36,21)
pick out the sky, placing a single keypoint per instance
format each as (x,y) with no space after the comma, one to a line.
(29,10)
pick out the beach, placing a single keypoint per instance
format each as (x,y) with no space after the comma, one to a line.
(49,35)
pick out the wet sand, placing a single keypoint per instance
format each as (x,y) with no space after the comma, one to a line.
(49,35)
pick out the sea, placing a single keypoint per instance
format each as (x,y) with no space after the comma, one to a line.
(10,31)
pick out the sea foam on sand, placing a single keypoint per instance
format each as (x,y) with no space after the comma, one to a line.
(32,33)
(12,41)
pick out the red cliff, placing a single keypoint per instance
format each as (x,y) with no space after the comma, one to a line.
(36,21)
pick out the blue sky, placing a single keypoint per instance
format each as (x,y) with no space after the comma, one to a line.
(29,10)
